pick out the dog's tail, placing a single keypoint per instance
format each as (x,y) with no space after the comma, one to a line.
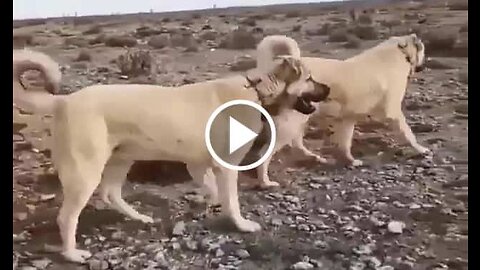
(272,46)
(35,101)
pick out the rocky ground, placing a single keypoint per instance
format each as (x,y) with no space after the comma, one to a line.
(399,211)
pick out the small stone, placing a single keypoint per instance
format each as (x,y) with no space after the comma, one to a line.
(160,257)
(302,266)
(179,228)
(277,222)
(414,206)
(219,252)
(357,266)
(21,216)
(396,227)
(242,254)
(192,245)
(385,267)
(41,264)
(117,235)
(95,264)
(47,197)
(28,268)
(363,250)
(176,246)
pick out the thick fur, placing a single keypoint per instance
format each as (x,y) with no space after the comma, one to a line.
(371,84)
(100,130)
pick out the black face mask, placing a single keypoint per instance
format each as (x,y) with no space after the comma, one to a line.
(303,103)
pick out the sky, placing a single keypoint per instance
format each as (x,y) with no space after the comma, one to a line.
(24,9)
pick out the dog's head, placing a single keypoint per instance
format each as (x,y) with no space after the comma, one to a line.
(414,50)
(289,84)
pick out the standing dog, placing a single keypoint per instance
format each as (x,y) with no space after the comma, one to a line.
(100,130)
(370,84)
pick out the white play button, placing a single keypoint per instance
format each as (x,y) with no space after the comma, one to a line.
(239,135)
(236,129)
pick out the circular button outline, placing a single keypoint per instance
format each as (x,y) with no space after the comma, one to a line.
(271,124)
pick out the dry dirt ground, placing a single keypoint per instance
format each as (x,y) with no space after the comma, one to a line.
(323,217)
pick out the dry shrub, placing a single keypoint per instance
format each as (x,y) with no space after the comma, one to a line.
(97,40)
(239,39)
(82,21)
(209,35)
(390,23)
(243,63)
(338,35)
(365,19)
(22,40)
(159,41)
(166,20)
(260,17)
(440,39)
(196,16)
(297,28)
(95,29)
(248,21)
(120,41)
(292,14)
(365,32)
(353,42)
(135,63)
(76,41)
(146,31)
(185,40)
(83,55)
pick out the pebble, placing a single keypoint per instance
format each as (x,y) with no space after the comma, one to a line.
(277,222)
(302,266)
(179,228)
(28,268)
(219,252)
(396,227)
(41,264)
(357,266)
(385,267)
(95,264)
(242,254)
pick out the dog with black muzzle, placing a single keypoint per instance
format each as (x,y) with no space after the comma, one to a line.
(99,131)
(370,84)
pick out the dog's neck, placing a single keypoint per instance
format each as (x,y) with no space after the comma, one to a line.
(272,109)
(409,60)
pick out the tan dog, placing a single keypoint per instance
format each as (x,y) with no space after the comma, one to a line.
(371,84)
(99,131)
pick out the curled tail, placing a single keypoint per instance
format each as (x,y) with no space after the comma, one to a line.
(35,101)
(272,46)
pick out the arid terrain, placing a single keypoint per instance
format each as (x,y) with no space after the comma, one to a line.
(398,211)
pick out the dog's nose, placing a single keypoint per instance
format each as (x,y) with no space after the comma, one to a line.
(419,68)
(320,93)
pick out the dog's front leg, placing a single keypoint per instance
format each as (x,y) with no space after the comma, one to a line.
(228,195)
(262,174)
(401,126)
(298,143)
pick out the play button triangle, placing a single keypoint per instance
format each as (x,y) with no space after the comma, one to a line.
(239,135)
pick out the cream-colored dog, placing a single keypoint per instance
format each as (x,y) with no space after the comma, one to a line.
(371,84)
(100,130)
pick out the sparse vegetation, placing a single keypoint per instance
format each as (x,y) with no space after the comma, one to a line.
(22,40)
(135,63)
(297,28)
(239,39)
(120,41)
(365,32)
(353,42)
(83,55)
(365,18)
(292,14)
(338,35)
(95,29)
(76,41)
(159,41)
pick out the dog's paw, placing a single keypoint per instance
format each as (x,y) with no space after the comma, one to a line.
(321,160)
(269,184)
(423,150)
(145,219)
(76,255)
(356,163)
(246,225)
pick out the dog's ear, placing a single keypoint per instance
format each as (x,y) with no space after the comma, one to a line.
(402,44)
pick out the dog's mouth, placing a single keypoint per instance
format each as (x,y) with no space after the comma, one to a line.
(320,93)
(304,106)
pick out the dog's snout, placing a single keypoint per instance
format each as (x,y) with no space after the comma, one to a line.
(320,92)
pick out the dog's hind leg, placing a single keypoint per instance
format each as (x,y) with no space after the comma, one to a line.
(228,195)
(114,176)
(342,137)
(401,126)
(79,180)
(298,143)
(262,174)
